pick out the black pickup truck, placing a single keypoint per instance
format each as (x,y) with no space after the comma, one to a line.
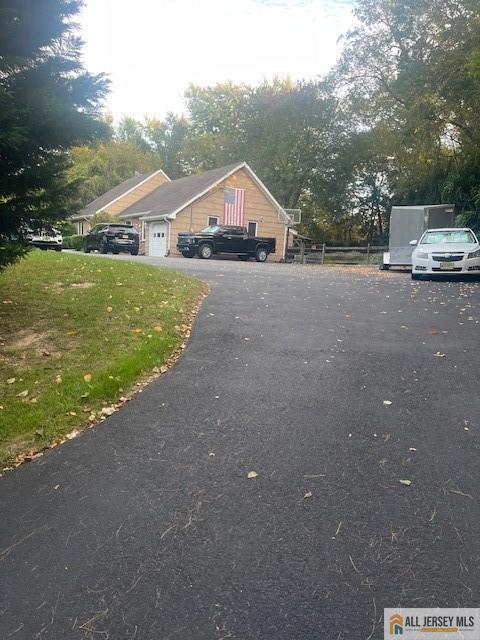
(221,239)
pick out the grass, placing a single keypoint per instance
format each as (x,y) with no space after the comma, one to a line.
(76,334)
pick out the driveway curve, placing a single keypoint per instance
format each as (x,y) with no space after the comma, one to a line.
(333,385)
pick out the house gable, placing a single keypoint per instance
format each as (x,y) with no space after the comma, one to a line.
(260,208)
(123,195)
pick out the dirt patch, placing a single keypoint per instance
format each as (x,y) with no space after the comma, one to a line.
(60,287)
(19,349)
(27,338)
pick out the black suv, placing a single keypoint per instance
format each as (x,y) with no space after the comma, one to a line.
(107,237)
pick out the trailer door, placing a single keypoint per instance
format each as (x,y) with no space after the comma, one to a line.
(405,225)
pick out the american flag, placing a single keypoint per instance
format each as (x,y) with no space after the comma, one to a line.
(234,200)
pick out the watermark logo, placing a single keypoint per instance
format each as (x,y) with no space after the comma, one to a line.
(438,624)
(396,624)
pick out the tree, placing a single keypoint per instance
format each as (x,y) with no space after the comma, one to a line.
(167,139)
(48,103)
(410,70)
(97,168)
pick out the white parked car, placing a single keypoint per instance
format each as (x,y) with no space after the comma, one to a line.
(448,251)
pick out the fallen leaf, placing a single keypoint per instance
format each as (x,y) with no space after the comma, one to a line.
(109,309)
(412,449)
(439,355)
(252,474)
(407,483)
(87,377)
(22,394)
(309,494)
(11,380)
(387,403)
(157,328)
(108,411)
(58,379)
(57,486)
(73,434)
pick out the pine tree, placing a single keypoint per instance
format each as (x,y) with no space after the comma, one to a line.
(48,103)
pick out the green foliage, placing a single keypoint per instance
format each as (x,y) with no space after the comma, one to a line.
(73,242)
(97,168)
(47,104)
(102,216)
(410,74)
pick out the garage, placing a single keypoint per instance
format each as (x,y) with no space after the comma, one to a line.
(158,240)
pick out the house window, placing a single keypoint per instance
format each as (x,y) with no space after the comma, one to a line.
(252,229)
(143,230)
(212,221)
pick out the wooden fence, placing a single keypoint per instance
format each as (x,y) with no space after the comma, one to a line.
(335,255)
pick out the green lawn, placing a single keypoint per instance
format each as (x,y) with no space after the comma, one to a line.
(76,333)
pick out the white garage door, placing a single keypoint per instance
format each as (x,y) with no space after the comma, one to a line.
(157,245)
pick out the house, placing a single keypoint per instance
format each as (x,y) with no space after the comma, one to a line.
(119,198)
(197,201)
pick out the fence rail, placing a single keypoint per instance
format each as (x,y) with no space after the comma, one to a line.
(333,254)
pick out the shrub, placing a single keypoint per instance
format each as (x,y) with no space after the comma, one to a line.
(73,242)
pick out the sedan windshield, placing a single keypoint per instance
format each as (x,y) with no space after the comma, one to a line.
(448,237)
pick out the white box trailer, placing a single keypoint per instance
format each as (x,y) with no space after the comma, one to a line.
(408,223)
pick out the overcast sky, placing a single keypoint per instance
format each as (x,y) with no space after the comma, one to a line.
(153,49)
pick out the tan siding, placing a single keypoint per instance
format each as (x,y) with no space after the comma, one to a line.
(258,208)
(143,246)
(136,194)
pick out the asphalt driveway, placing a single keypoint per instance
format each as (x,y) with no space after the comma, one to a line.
(333,385)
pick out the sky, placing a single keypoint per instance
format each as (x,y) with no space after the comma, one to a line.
(153,49)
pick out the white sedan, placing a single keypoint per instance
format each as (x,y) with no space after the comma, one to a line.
(448,251)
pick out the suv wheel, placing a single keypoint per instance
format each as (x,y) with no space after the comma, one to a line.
(261,254)
(86,248)
(187,254)
(104,246)
(134,252)
(205,252)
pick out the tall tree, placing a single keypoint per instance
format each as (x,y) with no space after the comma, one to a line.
(97,168)
(48,103)
(411,68)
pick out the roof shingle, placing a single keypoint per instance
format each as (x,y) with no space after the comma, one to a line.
(169,197)
(102,201)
